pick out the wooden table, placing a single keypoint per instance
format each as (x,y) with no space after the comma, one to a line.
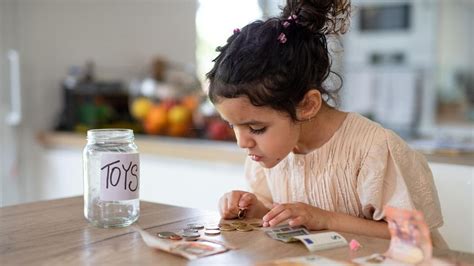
(56,233)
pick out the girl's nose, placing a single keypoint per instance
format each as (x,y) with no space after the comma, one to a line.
(244,140)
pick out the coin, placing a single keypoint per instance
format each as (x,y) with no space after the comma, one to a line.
(191,238)
(227,227)
(175,237)
(256,224)
(190,235)
(242,213)
(165,234)
(245,228)
(189,230)
(212,232)
(238,223)
(212,227)
(195,226)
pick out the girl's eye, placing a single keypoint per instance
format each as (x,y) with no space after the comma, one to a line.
(257,130)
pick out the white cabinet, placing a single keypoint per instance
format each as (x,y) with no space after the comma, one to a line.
(189,183)
(170,180)
(456,195)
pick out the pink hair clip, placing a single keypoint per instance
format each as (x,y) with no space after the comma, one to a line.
(286,24)
(292,17)
(282,38)
(236,30)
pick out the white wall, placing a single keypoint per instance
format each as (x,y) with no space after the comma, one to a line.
(121,36)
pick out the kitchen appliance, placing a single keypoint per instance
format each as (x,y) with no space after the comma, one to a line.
(389,62)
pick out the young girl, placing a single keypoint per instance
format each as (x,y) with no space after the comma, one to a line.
(309,163)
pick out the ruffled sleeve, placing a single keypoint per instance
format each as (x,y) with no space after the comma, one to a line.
(257,182)
(393,174)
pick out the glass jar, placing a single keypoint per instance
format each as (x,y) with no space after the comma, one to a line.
(111,178)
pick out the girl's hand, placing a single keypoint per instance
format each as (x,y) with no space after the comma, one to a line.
(231,202)
(297,214)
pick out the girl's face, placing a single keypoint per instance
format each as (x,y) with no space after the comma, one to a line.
(266,134)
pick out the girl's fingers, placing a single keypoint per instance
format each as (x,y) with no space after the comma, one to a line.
(233,203)
(227,214)
(298,220)
(277,208)
(284,215)
(246,200)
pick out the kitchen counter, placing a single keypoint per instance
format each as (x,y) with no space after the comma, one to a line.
(184,148)
(199,149)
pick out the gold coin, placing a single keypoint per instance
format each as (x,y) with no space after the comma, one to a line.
(227,227)
(238,224)
(256,224)
(244,228)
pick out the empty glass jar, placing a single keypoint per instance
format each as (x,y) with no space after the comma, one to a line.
(111,178)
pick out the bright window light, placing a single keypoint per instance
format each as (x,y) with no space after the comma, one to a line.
(215,22)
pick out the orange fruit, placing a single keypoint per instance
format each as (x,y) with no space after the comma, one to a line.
(178,130)
(156,120)
(190,101)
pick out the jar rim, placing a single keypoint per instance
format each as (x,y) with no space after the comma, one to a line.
(109,134)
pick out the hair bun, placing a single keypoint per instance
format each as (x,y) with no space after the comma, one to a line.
(320,16)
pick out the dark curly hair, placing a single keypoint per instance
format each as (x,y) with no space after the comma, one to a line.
(258,64)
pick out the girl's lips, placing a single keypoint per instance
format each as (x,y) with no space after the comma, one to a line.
(255,157)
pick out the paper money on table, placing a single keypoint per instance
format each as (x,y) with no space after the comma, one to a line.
(286,233)
(322,241)
(410,237)
(311,260)
(189,249)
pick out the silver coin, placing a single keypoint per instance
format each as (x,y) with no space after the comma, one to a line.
(242,213)
(212,227)
(189,230)
(212,232)
(190,235)
(165,234)
(195,226)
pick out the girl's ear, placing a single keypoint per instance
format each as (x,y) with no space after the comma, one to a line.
(309,106)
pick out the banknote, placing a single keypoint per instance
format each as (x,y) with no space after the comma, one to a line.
(410,237)
(322,241)
(188,249)
(286,233)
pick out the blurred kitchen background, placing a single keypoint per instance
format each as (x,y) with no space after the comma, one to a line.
(70,65)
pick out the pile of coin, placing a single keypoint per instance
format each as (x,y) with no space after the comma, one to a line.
(191,231)
(169,235)
(239,226)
